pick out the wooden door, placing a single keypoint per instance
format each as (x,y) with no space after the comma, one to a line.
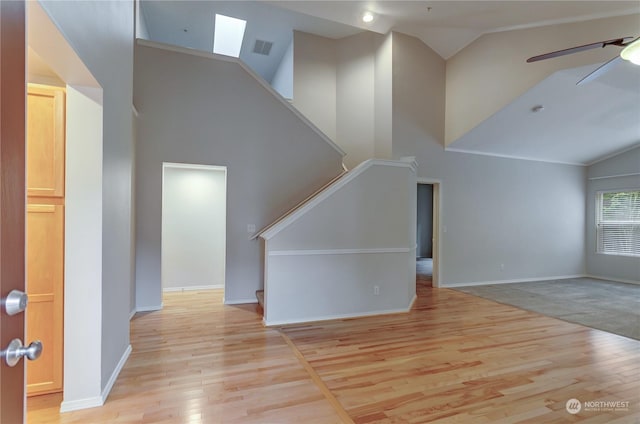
(12,197)
(45,141)
(45,234)
(45,247)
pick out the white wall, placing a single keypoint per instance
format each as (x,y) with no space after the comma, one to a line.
(383,119)
(349,85)
(527,216)
(355,97)
(194,207)
(619,172)
(283,78)
(357,235)
(101,33)
(219,115)
(83,247)
(314,80)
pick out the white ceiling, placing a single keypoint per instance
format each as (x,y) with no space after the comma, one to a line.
(579,124)
(448,26)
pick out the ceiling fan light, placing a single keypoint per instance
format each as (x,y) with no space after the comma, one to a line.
(632,52)
(367,17)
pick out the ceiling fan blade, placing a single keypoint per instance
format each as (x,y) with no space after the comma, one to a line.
(601,70)
(614,42)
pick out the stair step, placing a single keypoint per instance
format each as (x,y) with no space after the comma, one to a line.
(260,296)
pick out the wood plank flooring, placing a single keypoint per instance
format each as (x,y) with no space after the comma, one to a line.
(455,358)
(198,361)
(463,359)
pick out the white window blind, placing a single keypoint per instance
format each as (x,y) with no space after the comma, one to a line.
(618,222)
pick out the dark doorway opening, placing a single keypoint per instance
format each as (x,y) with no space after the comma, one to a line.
(424,236)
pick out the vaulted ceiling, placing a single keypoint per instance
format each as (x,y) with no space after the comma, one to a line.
(577,125)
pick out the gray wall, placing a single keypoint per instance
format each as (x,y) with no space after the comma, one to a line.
(199,110)
(528,216)
(611,174)
(102,35)
(283,78)
(350,252)
(424,237)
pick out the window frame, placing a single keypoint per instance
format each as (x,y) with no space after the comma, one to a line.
(598,221)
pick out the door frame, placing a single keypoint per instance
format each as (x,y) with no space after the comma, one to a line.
(192,166)
(436,278)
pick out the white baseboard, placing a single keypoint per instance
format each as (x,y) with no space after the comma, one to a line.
(74,405)
(518,280)
(149,308)
(339,316)
(413,301)
(240,301)
(132,313)
(193,288)
(617,280)
(115,374)
(96,401)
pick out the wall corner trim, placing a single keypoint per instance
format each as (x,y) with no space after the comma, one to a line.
(75,405)
(267,323)
(240,301)
(149,308)
(445,285)
(617,280)
(115,374)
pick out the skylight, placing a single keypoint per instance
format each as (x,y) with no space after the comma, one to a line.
(228,35)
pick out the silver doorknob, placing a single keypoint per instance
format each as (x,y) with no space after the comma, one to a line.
(15,302)
(15,351)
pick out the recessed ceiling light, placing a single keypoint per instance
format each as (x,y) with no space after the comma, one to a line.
(228,35)
(367,17)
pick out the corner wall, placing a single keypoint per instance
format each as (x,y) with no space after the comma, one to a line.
(619,172)
(344,87)
(210,111)
(502,219)
(314,80)
(101,34)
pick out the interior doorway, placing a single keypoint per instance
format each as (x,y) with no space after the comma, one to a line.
(427,232)
(194,204)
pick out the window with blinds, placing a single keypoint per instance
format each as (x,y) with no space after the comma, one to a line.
(618,222)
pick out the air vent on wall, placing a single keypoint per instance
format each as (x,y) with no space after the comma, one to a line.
(262,47)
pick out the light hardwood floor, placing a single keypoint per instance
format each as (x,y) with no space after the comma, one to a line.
(455,358)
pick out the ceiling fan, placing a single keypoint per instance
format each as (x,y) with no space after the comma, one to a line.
(631,52)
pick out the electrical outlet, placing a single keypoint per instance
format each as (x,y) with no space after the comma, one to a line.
(251,228)
(376,290)
(501,267)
